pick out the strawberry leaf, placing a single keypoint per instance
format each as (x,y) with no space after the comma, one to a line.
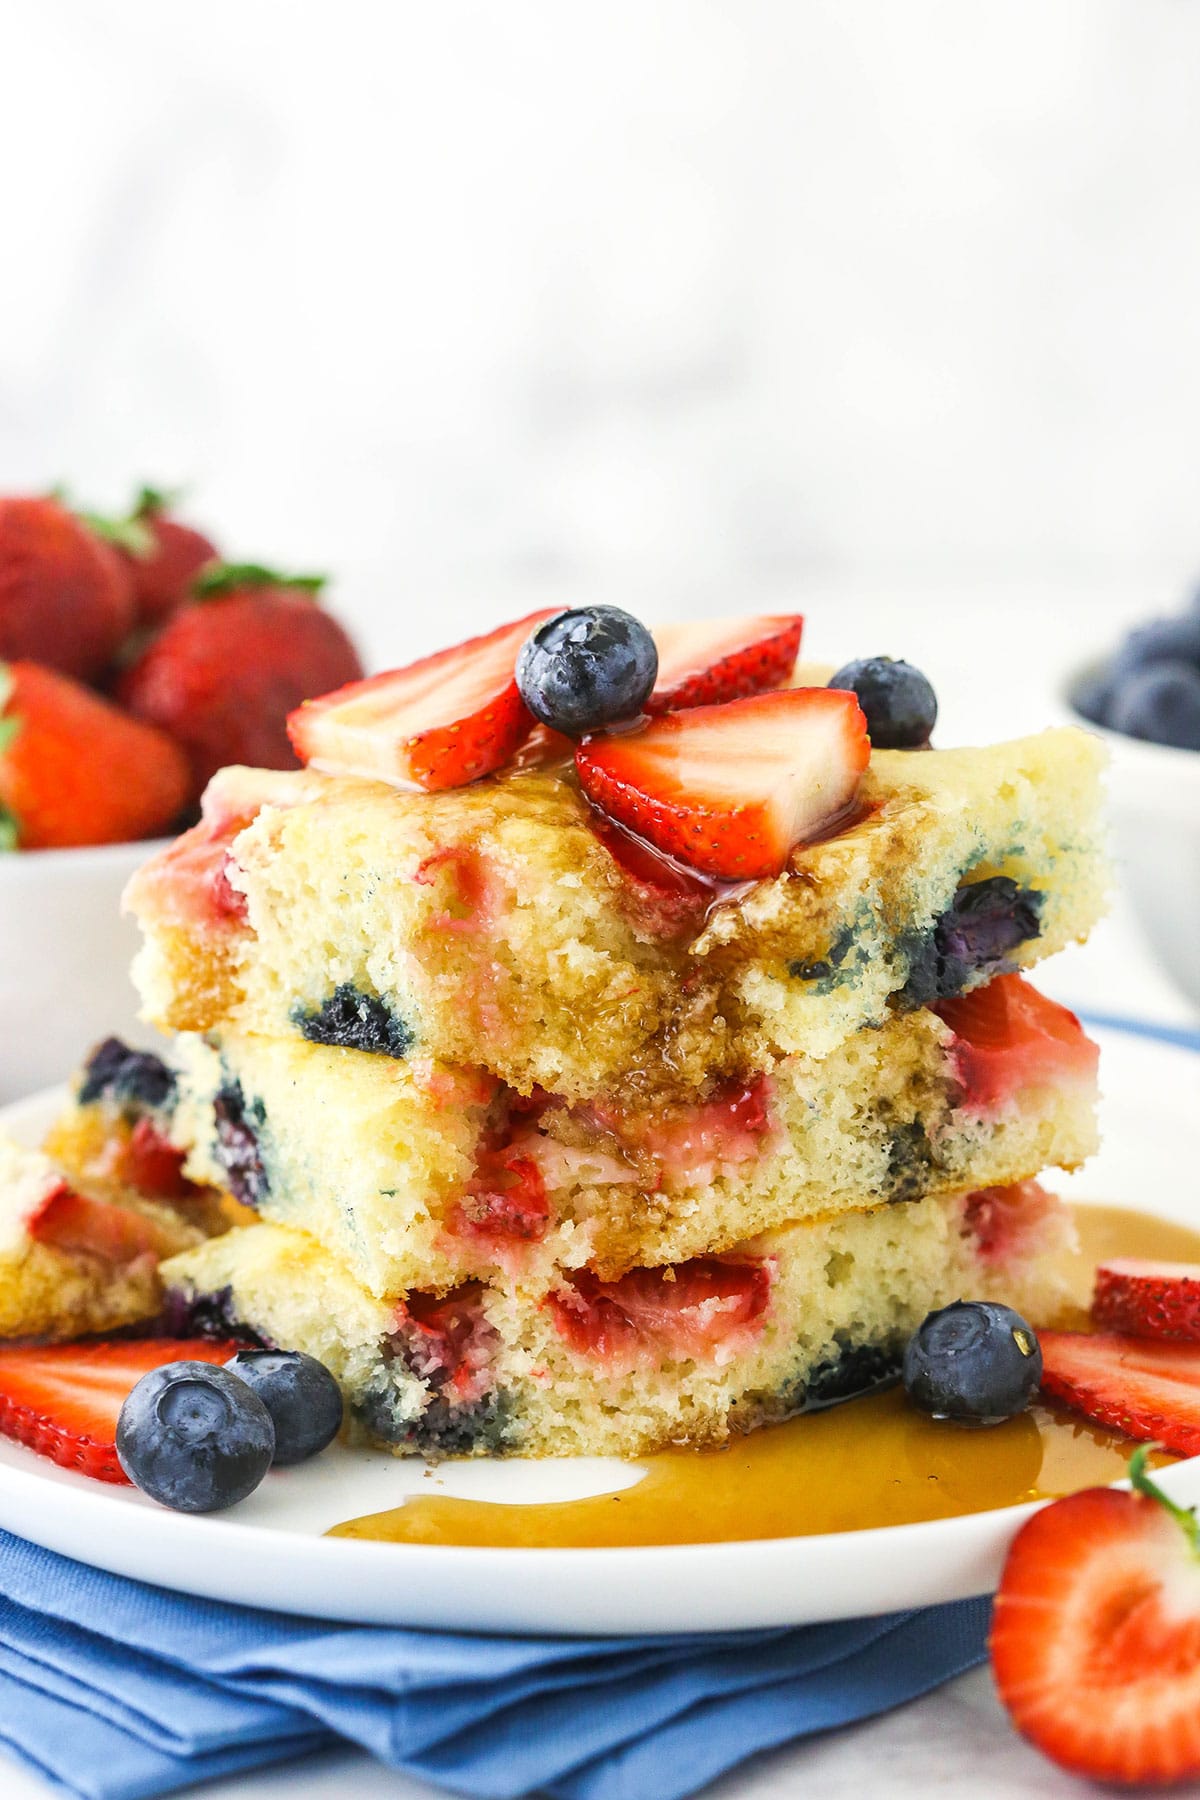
(151,501)
(130,535)
(10,831)
(224,578)
(10,725)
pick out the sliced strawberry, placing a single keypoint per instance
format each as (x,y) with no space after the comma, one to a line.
(1096,1634)
(732,789)
(63,1400)
(1008,1224)
(704,662)
(1010,1037)
(151,1165)
(505,1199)
(1147,1390)
(81,1225)
(470,889)
(447,1342)
(696,1308)
(439,723)
(689,1143)
(1148,1299)
(665,896)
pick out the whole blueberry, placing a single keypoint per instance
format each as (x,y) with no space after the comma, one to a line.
(974,1361)
(1160,703)
(194,1437)
(587,668)
(303,1399)
(899,701)
(1159,641)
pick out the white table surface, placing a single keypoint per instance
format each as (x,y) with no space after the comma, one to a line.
(956,1740)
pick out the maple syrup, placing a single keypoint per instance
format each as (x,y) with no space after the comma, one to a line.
(869,1462)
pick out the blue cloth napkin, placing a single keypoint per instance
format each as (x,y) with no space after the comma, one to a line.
(114,1690)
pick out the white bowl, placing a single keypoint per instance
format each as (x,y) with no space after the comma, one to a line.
(65,952)
(1156,817)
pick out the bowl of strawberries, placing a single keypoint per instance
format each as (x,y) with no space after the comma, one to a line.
(134,662)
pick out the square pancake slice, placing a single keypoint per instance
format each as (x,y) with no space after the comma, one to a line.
(418,1174)
(75,1259)
(507,926)
(690,1354)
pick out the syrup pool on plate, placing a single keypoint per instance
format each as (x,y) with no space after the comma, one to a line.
(869,1462)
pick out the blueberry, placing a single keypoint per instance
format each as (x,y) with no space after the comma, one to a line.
(352,1020)
(899,701)
(239,1148)
(194,1437)
(303,1399)
(853,1371)
(1162,640)
(984,923)
(974,1361)
(207,1315)
(1161,703)
(135,1076)
(587,668)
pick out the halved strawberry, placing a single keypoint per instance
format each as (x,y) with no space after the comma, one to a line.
(706,661)
(1011,1037)
(1148,1299)
(696,1308)
(83,1225)
(1147,1390)
(1096,1634)
(64,1400)
(439,723)
(732,789)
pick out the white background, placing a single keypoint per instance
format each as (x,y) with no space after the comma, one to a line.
(885,311)
(685,298)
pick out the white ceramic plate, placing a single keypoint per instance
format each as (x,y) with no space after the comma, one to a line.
(269,1551)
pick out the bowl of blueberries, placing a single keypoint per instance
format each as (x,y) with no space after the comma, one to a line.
(1144,698)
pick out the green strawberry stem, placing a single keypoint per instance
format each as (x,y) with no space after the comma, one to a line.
(131,535)
(152,500)
(1139,1480)
(223,578)
(10,725)
(10,830)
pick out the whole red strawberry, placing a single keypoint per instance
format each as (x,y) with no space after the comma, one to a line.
(65,598)
(225,671)
(161,554)
(76,770)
